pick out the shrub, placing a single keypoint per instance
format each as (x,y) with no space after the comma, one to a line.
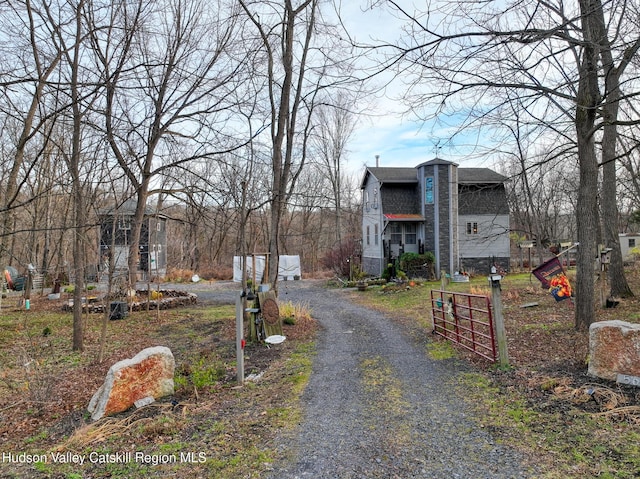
(177,275)
(389,272)
(218,272)
(343,258)
(201,373)
(418,265)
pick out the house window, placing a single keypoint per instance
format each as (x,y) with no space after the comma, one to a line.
(472,228)
(428,190)
(410,230)
(632,242)
(124,224)
(368,235)
(395,229)
(375,234)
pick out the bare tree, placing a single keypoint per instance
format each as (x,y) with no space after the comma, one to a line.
(168,80)
(302,59)
(614,70)
(335,125)
(74,162)
(546,55)
(34,59)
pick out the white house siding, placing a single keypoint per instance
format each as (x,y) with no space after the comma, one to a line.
(490,241)
(627,243)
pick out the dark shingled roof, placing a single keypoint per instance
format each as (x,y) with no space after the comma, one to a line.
(129,208)
(410,175)
(479,175)
(394,174)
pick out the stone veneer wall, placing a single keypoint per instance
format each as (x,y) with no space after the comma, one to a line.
(372,266)
(446,202)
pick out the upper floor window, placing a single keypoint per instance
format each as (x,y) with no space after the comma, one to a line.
(472,228)
(428,190)
(124,224)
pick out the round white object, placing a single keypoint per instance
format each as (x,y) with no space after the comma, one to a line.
(275,339)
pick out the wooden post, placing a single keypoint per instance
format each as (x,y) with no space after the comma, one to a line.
(604,263)
(240,339)
(498,319)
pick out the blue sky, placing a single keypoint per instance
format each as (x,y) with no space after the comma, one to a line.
(400,140)
(403,142)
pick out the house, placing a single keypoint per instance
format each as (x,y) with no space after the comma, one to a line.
(115,234)
(628,242)
(459,214)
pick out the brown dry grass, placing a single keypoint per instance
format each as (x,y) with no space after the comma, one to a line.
(197,336)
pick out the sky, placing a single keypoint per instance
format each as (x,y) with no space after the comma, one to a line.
(401,141)
(398,139)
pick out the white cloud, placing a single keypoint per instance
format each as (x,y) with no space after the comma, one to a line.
(400,139)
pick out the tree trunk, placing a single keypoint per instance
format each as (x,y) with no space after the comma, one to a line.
(587,209)
(617,279)
(609,205)
(136,232)
(78,193)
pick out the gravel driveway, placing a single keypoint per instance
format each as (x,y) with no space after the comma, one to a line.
(377,406)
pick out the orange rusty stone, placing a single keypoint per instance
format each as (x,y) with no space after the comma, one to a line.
(148,374)
(614,348)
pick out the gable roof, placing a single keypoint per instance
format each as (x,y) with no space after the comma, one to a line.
(390,175)
(479,175)
(410,175)
(128,208)
(437,161)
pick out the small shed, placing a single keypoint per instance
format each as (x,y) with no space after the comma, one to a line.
(115,239)
(628,241)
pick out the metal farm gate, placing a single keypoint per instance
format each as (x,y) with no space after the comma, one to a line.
(465,319)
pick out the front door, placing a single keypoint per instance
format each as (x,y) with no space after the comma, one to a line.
(403,238)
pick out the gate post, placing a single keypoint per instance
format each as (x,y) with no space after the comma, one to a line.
(498,318)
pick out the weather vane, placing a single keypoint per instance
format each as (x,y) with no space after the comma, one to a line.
(437,148)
